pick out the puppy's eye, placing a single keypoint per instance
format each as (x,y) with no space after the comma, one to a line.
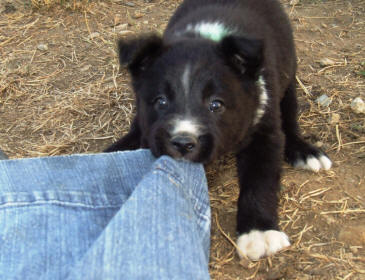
(216,106)
(161,103)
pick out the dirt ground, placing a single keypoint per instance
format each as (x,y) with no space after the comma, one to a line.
(61,92)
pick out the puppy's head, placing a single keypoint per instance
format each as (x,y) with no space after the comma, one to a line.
(196,98)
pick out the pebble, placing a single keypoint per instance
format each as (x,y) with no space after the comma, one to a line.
(137,15)
(326,62)
(86,68)
(94,35)
(358,105)
(324,100)
(42,47)
(125,32)
(121,27)
(130,4)
(319,144)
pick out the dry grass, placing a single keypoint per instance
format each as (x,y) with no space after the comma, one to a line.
(70,98)
(46,4)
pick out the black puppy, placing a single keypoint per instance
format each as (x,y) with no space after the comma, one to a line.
(222,78)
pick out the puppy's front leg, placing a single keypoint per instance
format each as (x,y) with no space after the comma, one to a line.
(130,141)
(259,167)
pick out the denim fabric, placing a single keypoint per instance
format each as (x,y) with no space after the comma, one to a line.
(119,215)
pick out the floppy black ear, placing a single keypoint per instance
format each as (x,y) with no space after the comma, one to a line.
(136,53)
(243,54)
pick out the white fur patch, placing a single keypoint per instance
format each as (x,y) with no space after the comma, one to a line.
(214,31)
(185,79)
(263,100)
(257,244)
(185,126)
(314,164)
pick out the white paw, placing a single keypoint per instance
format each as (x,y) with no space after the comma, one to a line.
(257,244)
(315,164)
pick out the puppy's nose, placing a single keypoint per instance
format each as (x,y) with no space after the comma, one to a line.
(184,143)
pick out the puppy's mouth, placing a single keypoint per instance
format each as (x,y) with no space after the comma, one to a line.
(184,146)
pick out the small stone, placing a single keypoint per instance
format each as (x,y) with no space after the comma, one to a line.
(319,144)
(130,4)
(358,106)
(121,27)
(335,118)
(353,235)
(125,32)
(86,68)
(324,100)
(94,35)
(354,249)
(42,47)
(326,62)
(137,15)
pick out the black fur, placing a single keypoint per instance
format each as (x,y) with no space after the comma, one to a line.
(223,96)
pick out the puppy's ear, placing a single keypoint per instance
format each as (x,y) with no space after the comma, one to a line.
(136,53)
(243,54)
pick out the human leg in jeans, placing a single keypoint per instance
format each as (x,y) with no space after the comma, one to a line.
(107,216)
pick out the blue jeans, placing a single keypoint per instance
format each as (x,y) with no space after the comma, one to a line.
(122,215)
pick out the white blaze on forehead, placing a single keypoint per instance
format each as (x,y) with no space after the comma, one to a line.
(263,100)
(185,126)
(185,79)
(214,31)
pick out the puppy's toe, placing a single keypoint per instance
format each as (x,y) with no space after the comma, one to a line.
(251,245)
(257,244)
(314,163)
(275,241)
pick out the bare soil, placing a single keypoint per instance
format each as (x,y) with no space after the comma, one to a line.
(61,92)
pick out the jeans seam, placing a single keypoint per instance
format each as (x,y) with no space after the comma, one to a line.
(171,176)
(55,202)
(66,198)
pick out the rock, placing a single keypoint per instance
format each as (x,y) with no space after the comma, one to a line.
(130,4)
(358,106)
(326,62)
(42,47)
(335,118)
(319,144)
(120,27)
(353,235)
(94,35)
(324,100)
(125,32)
(354,249)
(137,15)
(86,68)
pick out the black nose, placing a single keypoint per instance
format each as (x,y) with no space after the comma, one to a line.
(184,143)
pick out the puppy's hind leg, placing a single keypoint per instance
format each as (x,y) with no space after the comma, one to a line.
(299,153)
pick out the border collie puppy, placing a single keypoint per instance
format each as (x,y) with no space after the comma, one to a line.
(222,78)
